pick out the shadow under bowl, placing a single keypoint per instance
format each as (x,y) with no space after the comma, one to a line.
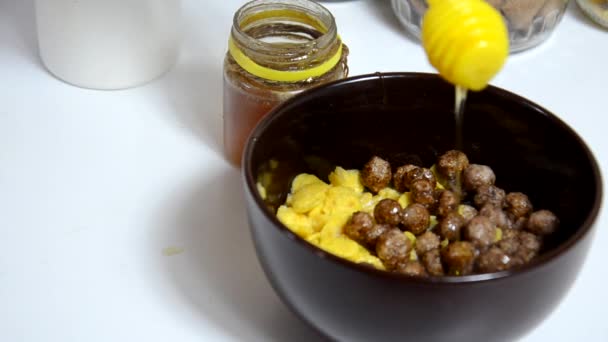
(408,118)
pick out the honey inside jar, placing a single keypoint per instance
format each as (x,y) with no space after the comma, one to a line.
(276,50)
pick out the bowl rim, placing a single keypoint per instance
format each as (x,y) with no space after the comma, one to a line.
(282,109)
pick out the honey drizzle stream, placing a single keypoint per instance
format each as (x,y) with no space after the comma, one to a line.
(461,97)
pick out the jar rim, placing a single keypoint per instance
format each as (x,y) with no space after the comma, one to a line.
(309,8)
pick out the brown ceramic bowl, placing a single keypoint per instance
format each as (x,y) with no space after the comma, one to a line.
(407,117)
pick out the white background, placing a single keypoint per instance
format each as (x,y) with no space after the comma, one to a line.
(94,185)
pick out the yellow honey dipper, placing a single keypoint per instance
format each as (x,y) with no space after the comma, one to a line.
(467,41)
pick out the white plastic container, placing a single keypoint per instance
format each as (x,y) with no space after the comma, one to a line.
(108,44)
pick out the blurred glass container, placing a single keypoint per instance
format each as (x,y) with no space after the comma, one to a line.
(530,22)
(597,10)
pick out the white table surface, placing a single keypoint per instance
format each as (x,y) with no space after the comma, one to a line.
(94,185)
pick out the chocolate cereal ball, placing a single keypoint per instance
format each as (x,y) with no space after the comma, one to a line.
(412,268)
(393,247)
(361,228)
(494,260)
(423,192)
(427,242)
(357,225)
(489,194)
(498,217)
(448,202)
(415,218)
(518,204)
(452,163)
(450,226)
(432,262)
(542,222)
(376,174)
(477,175)
(480,231)
(459,257)
(419,173)
(399,177)
(388,211)
(467,212)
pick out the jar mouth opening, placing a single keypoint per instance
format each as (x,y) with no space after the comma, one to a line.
(304,13)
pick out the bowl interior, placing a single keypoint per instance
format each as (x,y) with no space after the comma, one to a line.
(408,118)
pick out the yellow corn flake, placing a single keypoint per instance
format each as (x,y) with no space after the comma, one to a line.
(445,243)
(261,190)
(441,182)
(308,197)
(410,236)
(367,202)
(341,246)
(371,260)
(315,239)
(273,164)
(298,223)
(341,200)
(389,193)
(348,249)
(498,235)
(372,204)
(334,226)
(346,178)
(319,217)
(460,209)
(265,179)
(433,169)
(433,221)
(302,180)
(405,200)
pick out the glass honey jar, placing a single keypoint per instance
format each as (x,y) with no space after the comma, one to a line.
(276,49)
